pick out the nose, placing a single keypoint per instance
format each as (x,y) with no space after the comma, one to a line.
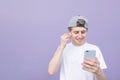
(79,35)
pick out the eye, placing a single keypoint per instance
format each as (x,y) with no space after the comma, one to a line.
(76,32)
(83,32)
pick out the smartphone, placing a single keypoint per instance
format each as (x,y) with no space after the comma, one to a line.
(89,54)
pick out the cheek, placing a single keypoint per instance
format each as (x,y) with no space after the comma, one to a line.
(84,35)
(74,35)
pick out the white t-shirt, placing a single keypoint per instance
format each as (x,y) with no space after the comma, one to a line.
(73,56)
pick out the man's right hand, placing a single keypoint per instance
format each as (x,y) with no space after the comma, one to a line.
(64,38)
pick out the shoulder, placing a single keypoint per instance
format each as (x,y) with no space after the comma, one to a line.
(68,44)
(89,45)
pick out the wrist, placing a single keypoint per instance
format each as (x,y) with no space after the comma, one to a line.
(61,46)
(100,75)
(99,72)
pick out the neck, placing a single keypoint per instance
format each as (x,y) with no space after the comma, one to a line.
(78,44)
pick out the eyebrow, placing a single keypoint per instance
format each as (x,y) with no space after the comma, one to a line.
(80,30)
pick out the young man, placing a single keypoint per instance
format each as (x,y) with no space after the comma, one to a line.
(71,56)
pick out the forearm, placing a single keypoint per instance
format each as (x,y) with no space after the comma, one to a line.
(100,75)
(55,61)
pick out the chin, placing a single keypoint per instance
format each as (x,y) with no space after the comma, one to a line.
(80,42)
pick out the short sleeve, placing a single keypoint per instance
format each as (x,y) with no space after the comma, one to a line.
(100,58)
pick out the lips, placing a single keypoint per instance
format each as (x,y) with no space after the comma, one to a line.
(78,39)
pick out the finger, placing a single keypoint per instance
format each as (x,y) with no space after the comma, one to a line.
(65,36)
(97,61)
(90,66)
(69,35)
(86,65)
(91,61)
(90,70)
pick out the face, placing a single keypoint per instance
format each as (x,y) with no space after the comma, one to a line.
(78,35)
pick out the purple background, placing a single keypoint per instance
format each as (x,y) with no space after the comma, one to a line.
(30,31)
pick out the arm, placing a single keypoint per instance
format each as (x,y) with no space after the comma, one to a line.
(55,61)
(93,65)
(100,75)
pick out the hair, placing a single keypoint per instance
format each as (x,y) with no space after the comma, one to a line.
(79,23)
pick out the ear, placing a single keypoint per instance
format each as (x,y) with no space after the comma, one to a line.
(69,29)
(87,29)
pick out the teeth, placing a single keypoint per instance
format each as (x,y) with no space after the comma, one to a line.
(79,40)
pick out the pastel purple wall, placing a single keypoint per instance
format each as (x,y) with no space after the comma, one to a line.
(30,31)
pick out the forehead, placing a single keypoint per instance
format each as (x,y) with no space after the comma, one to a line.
(78,29)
